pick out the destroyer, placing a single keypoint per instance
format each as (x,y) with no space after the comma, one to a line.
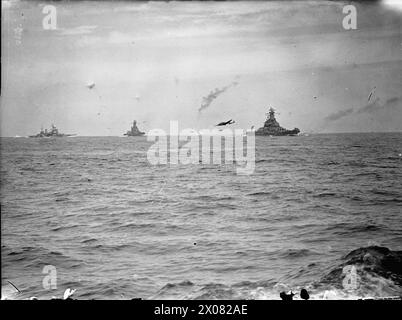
(134,131)
(53,132)
(272,128)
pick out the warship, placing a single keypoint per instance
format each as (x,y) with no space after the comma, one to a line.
(53,132)
(134,131)
(272,128)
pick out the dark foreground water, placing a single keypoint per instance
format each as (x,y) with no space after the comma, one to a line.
(115,226)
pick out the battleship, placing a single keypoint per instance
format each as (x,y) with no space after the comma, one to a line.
(53,132)
(134,131)
(272,128)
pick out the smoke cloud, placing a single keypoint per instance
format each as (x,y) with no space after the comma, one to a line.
(370,108)
(206,101)
(338,115)
(377,106)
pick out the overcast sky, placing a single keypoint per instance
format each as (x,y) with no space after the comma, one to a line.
(160,61)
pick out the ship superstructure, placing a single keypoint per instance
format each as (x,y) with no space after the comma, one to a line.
(52,132)
(134,131)
(272,128)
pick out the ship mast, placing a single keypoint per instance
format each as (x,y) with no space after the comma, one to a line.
(271,114)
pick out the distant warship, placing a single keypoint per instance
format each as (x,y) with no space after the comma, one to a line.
(134,131)
(272,128)
(53,132)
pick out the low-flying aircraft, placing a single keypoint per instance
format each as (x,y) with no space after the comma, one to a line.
(225,123)
(90,85)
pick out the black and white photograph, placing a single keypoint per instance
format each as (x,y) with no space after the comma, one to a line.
(201,150)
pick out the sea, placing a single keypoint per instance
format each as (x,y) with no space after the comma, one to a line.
(320,212)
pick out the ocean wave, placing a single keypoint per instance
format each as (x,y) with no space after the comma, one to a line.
(330,163)
(107,248)
(326,195)
(62,228)
(379,275)
(185,283)
(91,240)
(259,193)
(356,164)
(382,192)
(344,228)
(264,160)
(378,272)
(37,257)
(296,253)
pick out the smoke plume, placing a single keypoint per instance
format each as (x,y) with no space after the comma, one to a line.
(206,101)
(338,115)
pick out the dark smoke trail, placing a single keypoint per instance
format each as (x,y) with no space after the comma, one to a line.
(206,101)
